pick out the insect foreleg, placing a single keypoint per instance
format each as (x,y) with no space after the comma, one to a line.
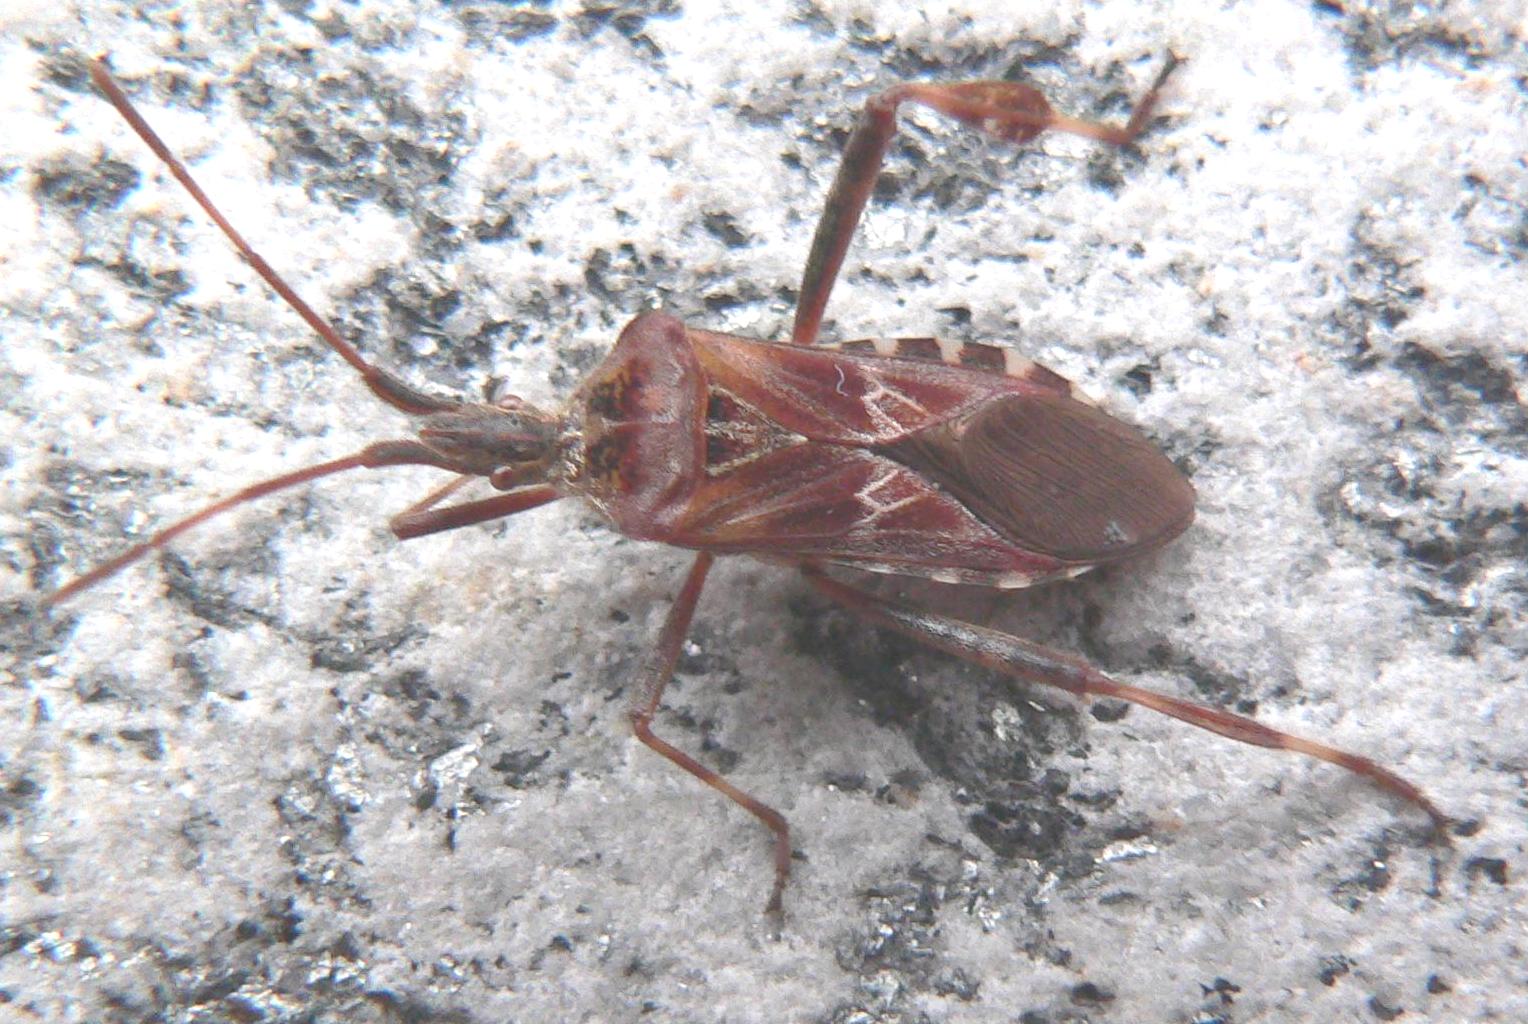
(420,522)
(1037,664)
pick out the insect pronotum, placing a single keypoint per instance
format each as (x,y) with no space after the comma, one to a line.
(917,457)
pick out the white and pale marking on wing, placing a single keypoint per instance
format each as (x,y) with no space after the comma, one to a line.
(883,403)
(877,504)
(1010,580)
(1015,365)
(951,352)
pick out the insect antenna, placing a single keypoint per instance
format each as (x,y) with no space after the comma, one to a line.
(394,391)
(159,539)
(386,386)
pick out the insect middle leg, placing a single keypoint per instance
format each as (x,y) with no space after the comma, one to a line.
(655,677)
(1035,663)
(1011,111)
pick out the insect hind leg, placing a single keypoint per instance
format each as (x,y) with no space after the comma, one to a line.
(1010,111)
(1035,663)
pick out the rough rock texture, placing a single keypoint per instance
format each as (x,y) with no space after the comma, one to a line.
(293,770)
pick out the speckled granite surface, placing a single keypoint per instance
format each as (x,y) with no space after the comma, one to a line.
(294,770)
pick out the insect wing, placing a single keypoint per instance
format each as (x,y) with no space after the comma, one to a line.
(1055,476)
(856,507)
(849,398)
(923,458)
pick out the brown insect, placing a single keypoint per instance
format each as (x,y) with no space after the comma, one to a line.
(917,457)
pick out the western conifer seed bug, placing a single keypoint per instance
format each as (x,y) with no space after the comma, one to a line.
(915,457)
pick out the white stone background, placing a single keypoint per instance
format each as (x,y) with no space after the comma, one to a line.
(295,770)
